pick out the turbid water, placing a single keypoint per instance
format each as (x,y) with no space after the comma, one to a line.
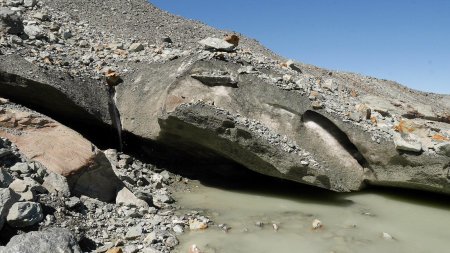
(418,222)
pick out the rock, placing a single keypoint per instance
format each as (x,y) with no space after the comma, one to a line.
(150,250)
(194,249)
(316,105)
(217,44)
(166,39)
(19,185)
(112,78)
(86,169)
(232,39)
(136,47)
(441,149)
(5,178)
(387,236)
(150,238)
(163,198)
(134,233)
(127,198)
(33,31)
(291,64)
(316,224)
(22,168)
(10,22)
(66,34)
(275,227)
(7,199)
(178,229)
(171,241)
(51,240)
(115,250)
(72,202)
(329,84)
(14,3)
(407,142)
(24,214)
(41,16)
(29,3)
(55,183)
(197,225)
(216,79)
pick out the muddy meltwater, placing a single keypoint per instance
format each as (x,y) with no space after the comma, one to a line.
(418,222)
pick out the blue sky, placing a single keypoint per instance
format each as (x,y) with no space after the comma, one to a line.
(403,40)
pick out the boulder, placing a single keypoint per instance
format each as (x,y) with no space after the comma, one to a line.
(127,198)
(55,183)
(51,240)
(10,22)
(217,44)
(24,214)
(21,168)
(7,199)
(84,167)
(5,178)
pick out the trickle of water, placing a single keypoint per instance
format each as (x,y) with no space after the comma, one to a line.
(115,115)
(351,222)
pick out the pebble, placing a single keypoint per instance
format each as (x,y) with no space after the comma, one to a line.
(316,224)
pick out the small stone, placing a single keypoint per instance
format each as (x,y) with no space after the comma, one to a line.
(22,168)
(387,236)
(55,183)
(41,16)
(72,202)
(407,142)
(136,47)
(134,232)
(178,229)
(163,198)
(24,214)
(329,84)
(194,249)
(293,66)
(150,238)
(259,224)
(115,250)
(275,227)
(66,34)
(316,105)
(171,241)
(166,39)
(83,43)
(29,3)
(33,31)
(113,79)
(316,224)
(232,39)
(197,225)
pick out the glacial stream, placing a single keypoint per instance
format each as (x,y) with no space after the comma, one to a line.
(418,222)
